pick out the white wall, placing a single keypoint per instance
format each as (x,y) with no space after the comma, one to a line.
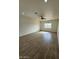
(28,25)
(54,25)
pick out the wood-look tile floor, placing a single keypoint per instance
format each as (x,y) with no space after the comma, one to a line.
(40,45)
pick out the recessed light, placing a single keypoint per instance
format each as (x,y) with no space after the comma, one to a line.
(45,1)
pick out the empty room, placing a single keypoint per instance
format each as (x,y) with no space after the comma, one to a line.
(38,29)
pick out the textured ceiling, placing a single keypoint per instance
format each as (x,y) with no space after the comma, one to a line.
(49,10)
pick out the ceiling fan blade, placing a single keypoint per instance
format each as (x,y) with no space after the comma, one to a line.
(42,17)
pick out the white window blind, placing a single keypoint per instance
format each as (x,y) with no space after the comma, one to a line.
(47,25)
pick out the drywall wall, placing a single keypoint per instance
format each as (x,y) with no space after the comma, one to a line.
(28,25)
(52,29)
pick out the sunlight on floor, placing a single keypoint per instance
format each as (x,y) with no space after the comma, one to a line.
(47,37)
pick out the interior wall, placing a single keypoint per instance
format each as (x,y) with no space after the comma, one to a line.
(54,25)
(28,25)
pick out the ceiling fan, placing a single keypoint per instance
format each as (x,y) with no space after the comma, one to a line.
(41,17)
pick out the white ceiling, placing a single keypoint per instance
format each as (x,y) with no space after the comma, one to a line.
(49,10)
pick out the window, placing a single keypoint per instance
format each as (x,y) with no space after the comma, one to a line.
(47,25)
